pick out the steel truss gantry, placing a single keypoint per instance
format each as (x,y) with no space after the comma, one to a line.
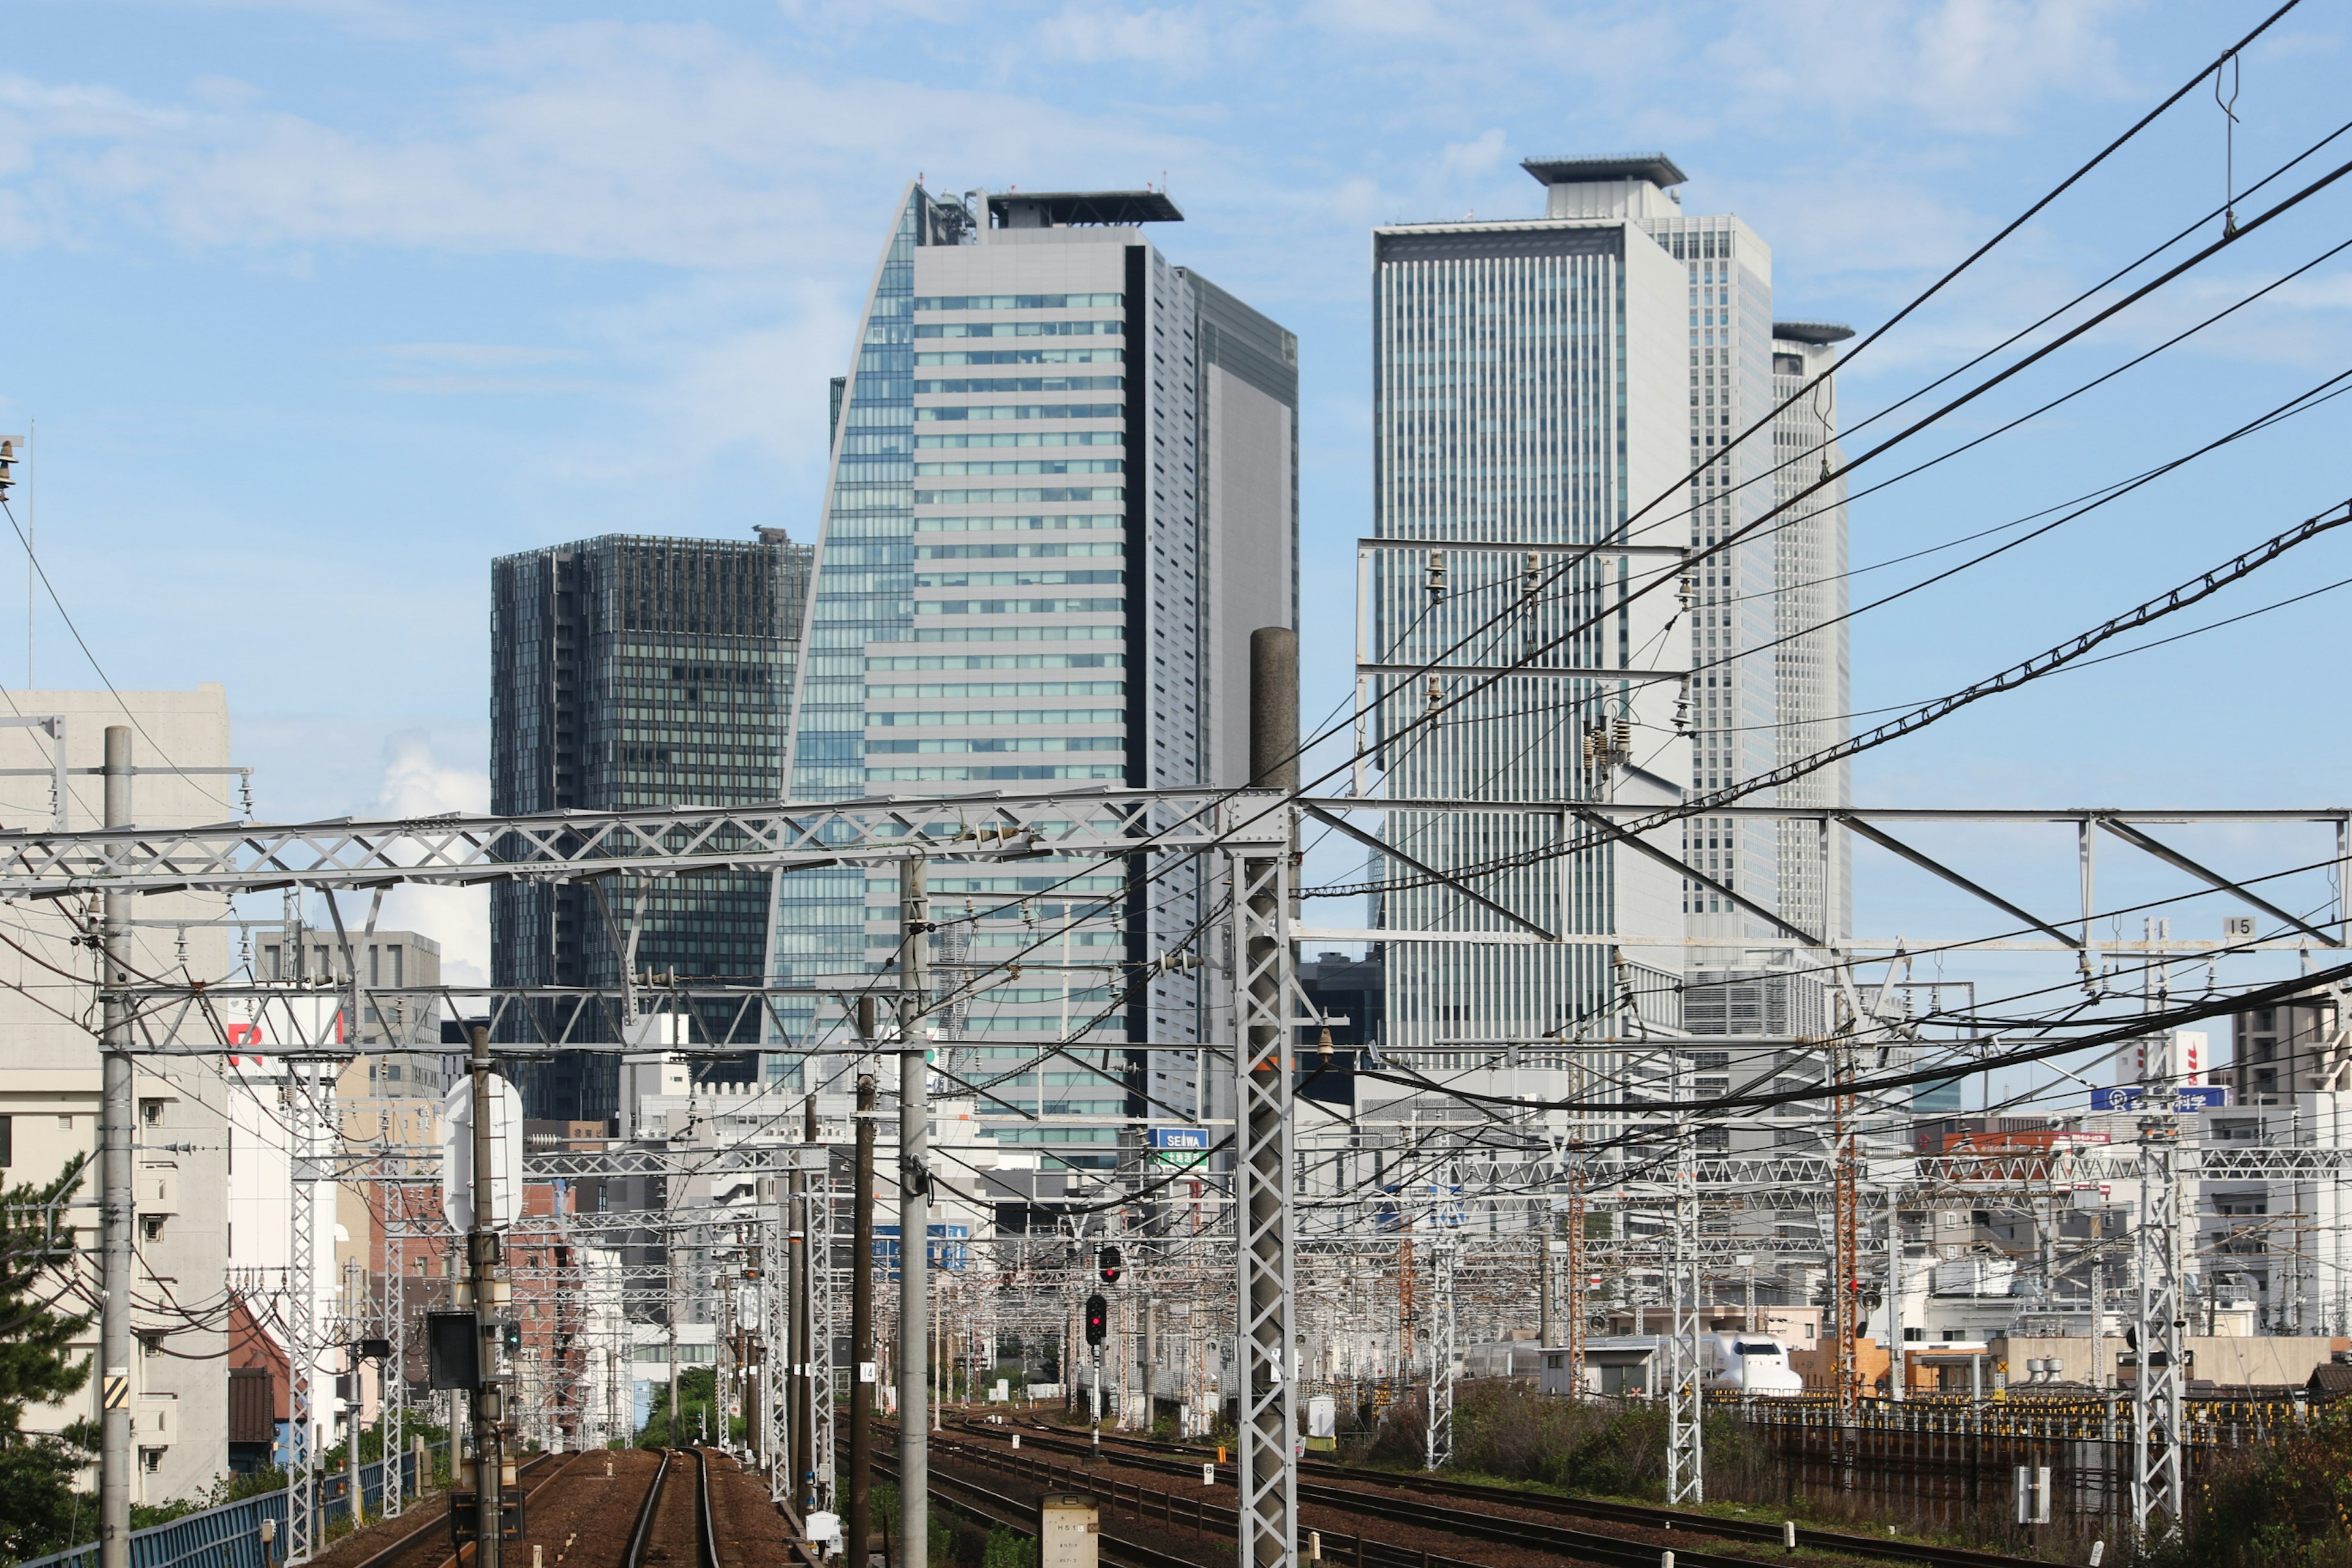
(460,850)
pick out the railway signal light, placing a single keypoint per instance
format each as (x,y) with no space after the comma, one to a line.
(1098,1320)
(1107,1265)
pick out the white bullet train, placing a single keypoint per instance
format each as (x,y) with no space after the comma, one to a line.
(1750,1363)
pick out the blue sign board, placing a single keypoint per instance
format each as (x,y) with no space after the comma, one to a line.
(2186,1100)
(949,1247)
(1191,1140)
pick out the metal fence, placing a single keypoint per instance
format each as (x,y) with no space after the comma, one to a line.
(229,1536)
(2209,1421)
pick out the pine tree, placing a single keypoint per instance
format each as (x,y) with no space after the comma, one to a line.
(37,1471)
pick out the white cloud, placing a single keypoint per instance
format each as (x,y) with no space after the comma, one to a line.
(1972,65)
(672,144)
(416,784)
(1475,159)
(1170,39)
(1961,64)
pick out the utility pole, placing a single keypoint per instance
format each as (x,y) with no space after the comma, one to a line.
(914,1217)
(670,1278)
(114,1134)
(861,1309)
(804,1452)
(1546,1326)
(1897,1372)
(482,1254)
(1144,1347)
(2099,1378)
(351,1423)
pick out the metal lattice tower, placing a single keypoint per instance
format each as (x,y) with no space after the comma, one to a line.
(2157,1478)
(1439,1433)
(1267,1465)
(776,1423)
(1686,1453)
(395,1382)
(1572,1299)
(826,1284)
(305,1120)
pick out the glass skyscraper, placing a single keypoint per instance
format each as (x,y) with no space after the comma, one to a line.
(1063,493)
(630,672)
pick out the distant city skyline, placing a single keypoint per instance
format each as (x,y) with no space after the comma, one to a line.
(314,278)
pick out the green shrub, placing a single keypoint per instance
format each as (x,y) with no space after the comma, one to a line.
(1006,1549)
(2284,1504)
(1600,1447)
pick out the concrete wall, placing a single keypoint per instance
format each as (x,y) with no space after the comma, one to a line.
(2268,1360)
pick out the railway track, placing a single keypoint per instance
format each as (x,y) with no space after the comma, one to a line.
(409,1551)
(597,1521)
(1345,1549)
(672,1522)
(1344,1488)
(983,1505)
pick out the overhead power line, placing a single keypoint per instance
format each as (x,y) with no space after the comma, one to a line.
(2194,590)
(2138,1026)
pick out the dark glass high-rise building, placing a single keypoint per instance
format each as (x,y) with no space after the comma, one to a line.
(631,672)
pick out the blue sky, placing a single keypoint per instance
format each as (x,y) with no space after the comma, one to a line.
(321,304)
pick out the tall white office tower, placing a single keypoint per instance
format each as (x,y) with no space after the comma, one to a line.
(1813,675)
(1063,494)
(1574,383)
(1528,382)
(1735,694)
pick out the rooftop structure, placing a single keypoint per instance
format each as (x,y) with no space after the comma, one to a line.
(1065,209)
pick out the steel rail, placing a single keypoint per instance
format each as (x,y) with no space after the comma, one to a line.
(976,1502)
(1341,1496)
(440,1522)
(706,1539)
(635,1556)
